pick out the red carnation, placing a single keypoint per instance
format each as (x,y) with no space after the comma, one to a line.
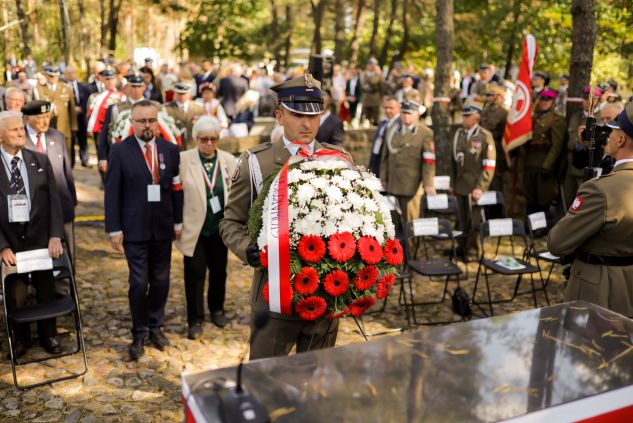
(336,283)
(311,248)
(384,286)
(306,282)
(342,246)
(311,308)
(393,252)
(337,315)
(266,292)
(263,258)
(358,307)
(369,249)
(366,278)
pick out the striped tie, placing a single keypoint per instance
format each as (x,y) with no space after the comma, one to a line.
(17,184)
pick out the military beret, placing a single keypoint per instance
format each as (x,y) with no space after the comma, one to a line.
(300,95)
(181,87)
(625,120)
(548,94)
(409,106)
(135,78)
(51,70)
(471,107)
(108,73)
(36,107)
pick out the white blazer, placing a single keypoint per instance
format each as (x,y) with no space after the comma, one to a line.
(195,192)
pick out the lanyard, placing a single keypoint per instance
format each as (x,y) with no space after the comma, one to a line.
(211,184)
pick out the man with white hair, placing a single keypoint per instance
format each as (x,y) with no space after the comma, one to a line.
(14,99)
(30,219)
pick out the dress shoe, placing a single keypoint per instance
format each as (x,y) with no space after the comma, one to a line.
(158,339)
(195,331)
(86,165)
(136,349)
(219,318)
(19,349)
(51,345)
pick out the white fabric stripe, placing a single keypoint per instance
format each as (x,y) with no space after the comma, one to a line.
(491,163)
(175,180)
(274,274)
(427,155)
(441,99)
(531,45)
(574,99)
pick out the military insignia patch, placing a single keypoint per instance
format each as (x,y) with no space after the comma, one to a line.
(309,80)
(578,202)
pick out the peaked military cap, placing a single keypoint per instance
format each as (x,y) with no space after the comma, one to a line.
(300,95)
(471,107)
(108,73)
(541,74)
(410,106)
(52,70)
(36,107)
(181,87)
(484,66)
(135,78)
(625,120)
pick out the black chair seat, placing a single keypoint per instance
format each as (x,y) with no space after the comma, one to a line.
(49,310)
(456,235)
(439,267)
(492,265)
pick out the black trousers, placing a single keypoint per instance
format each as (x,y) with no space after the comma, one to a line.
(80,138)
(149,264)
(210,253)
(16,296)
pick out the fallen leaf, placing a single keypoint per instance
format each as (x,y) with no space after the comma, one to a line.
(279,412)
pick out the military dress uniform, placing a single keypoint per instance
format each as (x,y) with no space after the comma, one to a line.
(541,156)
(573,175)
(185,115)
(64,112)
(493,118)
(474,162)
(99,102)
(282,332)
(408,159)
(371,87)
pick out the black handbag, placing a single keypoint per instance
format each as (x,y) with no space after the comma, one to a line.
(461,303)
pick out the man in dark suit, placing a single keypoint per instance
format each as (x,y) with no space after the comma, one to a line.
(143,213)
(231,88)
(205,77)
(391,106)
(30,218)
(353,92)
(41,137)
(80,137)
(331,128)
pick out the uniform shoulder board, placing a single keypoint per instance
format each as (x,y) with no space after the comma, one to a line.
(334,147)
(260,147)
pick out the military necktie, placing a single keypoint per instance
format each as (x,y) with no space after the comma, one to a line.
(17,183)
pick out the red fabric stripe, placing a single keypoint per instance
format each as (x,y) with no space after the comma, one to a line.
(428,161)
(616,416)
(284,243)
(176,187)
(102,112)
(188,414)
(492,168)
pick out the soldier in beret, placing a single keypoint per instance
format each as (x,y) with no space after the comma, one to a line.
(300,105)
(598,228)
(184,111)
(542,154)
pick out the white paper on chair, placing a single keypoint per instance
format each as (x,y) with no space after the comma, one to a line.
(390,202)
(427,226)
(510,263)
(487,198)
(500,227)
(548,256)
(33,260)
(437,202)
(538,220)
(442,183)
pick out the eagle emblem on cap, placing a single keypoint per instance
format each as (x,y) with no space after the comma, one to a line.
(43,109)
(309,80)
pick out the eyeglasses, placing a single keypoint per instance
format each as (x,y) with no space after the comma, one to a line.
(144,122)
(206,140)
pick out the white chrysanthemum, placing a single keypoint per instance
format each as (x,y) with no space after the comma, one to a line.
(370,205)
(349,174)
(380,237)
(341,182)
(335,213)
(307,226)
(319,183)
(305,194)
(294,175)
(356,200)
(354,220)
(370,182)
(330,227)
(334,194)
(317,204)
(324,165)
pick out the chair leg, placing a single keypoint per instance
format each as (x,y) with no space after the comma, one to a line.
(361,326)
(492,313)
(534,290)
(415,320)
(544,285)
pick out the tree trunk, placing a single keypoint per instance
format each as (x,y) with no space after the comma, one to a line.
(275,37)
(404,45)
(387,45)
(113,23)
(583,41)
(103,27)
(358,28)
(339,31)
(24,28)
(64,21)
(288,36)
(516,10)
(439,112)
(374,30)
(317,16)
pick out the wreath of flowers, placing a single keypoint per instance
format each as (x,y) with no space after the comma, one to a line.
(343,251)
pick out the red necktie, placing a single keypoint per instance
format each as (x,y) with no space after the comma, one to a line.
(148,159)
(40,146)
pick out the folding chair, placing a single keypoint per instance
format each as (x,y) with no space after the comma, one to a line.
(496,228)
(537,226)
(433,229)
(493,206)
(62,269)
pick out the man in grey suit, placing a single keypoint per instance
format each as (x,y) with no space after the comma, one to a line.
(41,137)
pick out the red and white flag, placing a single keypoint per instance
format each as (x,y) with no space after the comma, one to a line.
(519,124)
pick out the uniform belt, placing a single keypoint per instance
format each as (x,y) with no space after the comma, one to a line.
(604,260)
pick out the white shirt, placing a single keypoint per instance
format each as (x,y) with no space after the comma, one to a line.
(324,116)
(33,136)
(183,106)
(294,149)
(352,86)
(621,161)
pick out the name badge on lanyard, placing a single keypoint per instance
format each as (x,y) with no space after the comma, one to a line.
(153,189)
(214,201)
(18,208)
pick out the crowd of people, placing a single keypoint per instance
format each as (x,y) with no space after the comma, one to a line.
(156,132)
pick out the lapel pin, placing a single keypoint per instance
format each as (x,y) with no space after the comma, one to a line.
(162,166)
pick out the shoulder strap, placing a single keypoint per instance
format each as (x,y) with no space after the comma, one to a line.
(256,175)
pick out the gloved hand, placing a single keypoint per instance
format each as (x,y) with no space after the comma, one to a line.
(252,255)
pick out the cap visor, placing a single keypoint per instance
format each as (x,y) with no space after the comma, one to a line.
(304,108)
(613,124)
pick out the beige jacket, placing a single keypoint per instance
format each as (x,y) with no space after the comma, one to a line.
(195,202)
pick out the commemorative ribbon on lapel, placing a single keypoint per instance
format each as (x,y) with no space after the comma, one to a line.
(278,231)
